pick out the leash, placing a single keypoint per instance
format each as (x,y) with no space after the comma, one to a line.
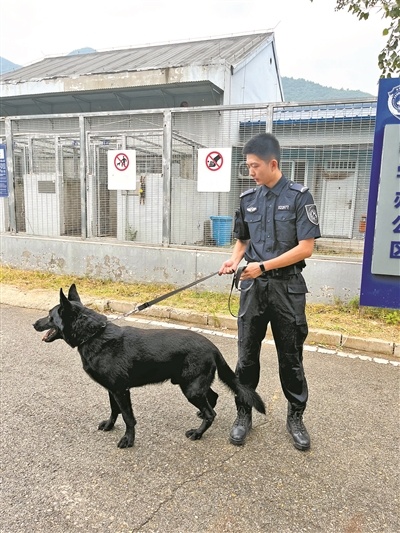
(145,305)
(237,284)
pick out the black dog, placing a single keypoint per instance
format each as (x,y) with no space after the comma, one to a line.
(119,358)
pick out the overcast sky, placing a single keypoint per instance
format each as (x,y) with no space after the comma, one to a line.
(313,41)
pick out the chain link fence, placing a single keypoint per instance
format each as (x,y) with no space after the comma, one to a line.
(58,170)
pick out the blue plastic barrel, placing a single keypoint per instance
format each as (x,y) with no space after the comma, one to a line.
(221,229)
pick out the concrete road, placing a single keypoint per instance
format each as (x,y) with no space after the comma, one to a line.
(60,474)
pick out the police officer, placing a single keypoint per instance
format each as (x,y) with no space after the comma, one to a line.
(275,228)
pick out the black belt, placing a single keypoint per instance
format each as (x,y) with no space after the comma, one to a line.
(283,273)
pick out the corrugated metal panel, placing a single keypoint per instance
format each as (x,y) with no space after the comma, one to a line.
(231,50)
(328,112)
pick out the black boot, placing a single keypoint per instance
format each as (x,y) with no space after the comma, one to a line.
(296,427)
(241,426)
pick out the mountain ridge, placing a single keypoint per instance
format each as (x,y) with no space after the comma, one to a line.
(302,90)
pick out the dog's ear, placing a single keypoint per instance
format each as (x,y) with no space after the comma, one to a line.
(73,295)
(65,304)
(63,299)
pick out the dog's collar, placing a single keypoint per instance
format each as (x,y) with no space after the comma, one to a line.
(92,336)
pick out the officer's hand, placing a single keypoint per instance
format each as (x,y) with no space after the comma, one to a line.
(251,271)
(227,267)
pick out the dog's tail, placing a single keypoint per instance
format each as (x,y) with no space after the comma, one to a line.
(245,395)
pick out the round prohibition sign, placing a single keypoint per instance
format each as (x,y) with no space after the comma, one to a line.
(121,161)
(214,161)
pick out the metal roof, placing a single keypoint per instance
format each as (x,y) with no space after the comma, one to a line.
(321,112)
(229,50)
(331,111)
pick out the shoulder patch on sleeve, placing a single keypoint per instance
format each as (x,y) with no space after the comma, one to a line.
(312,213)
(249,191)
(297,187)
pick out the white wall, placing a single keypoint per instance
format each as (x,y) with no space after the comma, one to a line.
(326,278)
(145,219)
(3,214)
(201,205)
(42,210)
(256,81)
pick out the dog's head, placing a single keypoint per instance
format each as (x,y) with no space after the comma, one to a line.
(53,324)
(71,321)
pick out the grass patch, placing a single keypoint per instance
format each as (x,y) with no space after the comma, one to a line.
(346,317)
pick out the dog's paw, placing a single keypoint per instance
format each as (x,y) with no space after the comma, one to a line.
(126,442)
(193,434)
(106,425)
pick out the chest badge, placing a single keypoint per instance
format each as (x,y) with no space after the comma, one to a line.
(251,209)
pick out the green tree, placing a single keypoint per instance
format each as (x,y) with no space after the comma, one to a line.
(389,57)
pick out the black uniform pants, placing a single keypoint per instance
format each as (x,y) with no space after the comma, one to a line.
(281,302)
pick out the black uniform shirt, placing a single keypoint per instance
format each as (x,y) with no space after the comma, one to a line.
(276,219)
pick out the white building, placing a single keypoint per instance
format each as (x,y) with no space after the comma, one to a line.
(240,69)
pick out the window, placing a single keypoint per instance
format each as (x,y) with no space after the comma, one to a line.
(294,170)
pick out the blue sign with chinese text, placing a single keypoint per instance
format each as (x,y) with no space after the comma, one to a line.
(380,284)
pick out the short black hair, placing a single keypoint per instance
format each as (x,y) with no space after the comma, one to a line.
(263,145)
